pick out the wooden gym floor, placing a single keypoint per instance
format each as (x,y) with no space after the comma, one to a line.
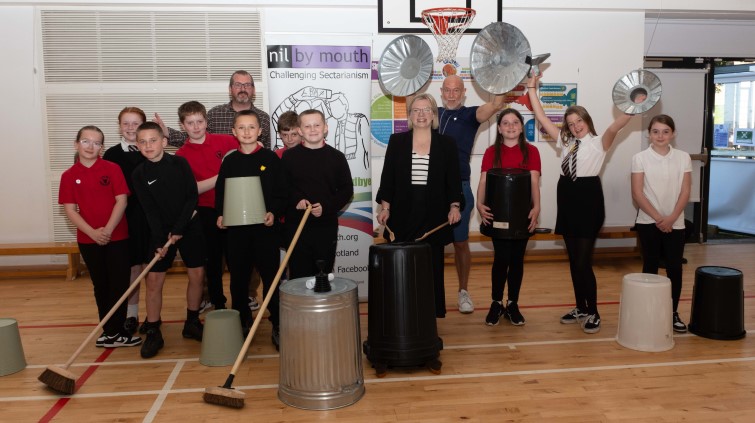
(541,372)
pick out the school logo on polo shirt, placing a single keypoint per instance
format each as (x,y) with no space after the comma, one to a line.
(219,154)
(105,181)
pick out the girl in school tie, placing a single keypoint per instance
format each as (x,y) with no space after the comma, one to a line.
(579,197)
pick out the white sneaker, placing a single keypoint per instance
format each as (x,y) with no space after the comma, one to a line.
(465,302)
(205,306)
(253,304)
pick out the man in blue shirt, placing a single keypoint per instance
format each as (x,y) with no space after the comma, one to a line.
(461,123)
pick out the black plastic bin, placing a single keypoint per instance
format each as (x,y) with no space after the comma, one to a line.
(508,193)
(717,303)
(402,330)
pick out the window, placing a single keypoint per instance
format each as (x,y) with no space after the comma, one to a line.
(734,111)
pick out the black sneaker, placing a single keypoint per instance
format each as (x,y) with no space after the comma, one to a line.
(153,343)
(100,342)
(591,324)
(193,329)
(276,337)
(494,315)
(121,340)
(131,325)
(574,316)
(143,328)
(679,326)
(512,313)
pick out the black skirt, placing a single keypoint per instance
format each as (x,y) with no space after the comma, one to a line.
(581,207)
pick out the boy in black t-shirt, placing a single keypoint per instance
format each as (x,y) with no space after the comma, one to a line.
(167,191)
(318,175)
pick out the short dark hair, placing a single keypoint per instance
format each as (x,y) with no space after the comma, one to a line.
(146,126)
(246,113)
(288,120)
(242,73)
(191,108)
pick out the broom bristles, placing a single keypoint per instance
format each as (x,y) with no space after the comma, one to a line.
(227,397)
(59,379)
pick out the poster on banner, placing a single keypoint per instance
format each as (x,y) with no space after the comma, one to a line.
(332,75)
(389,113)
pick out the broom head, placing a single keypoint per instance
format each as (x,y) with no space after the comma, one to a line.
(59,379)
(227,397)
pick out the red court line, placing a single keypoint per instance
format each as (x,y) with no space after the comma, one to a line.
(58,406)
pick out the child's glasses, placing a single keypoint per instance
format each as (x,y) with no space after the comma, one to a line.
(90,143)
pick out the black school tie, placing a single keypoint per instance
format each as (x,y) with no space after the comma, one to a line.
(133,148)
(569,164)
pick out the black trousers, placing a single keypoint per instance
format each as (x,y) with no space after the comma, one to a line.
(215,241)
(315,243)
(652,242)
(110,270)
(252,247)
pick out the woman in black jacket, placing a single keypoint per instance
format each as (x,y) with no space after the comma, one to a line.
(420,186)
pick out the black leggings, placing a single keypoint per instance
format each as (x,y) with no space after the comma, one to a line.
(582,277)
(508,264)
(653,242)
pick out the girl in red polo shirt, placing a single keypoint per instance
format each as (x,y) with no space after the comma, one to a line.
(93,193)
(510,150)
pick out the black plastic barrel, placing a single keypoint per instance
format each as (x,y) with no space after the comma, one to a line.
(508,193)
(717,303)
(402,330)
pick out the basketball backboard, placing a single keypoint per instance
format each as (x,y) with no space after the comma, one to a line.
(404,16)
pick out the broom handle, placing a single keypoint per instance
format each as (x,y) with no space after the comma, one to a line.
(432,231)
(112,311)
(391,236)
(269,296)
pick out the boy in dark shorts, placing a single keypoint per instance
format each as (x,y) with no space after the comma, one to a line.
(204,152)
(166,188)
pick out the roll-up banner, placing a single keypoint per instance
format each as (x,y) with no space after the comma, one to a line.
(331,74)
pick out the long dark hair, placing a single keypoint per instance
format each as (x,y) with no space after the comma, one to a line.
(522,142)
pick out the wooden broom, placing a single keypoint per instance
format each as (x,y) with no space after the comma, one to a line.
(225,395)
(59,378)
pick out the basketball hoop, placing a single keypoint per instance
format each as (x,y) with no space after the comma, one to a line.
(447,24)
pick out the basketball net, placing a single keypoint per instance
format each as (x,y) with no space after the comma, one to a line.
(447,25)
